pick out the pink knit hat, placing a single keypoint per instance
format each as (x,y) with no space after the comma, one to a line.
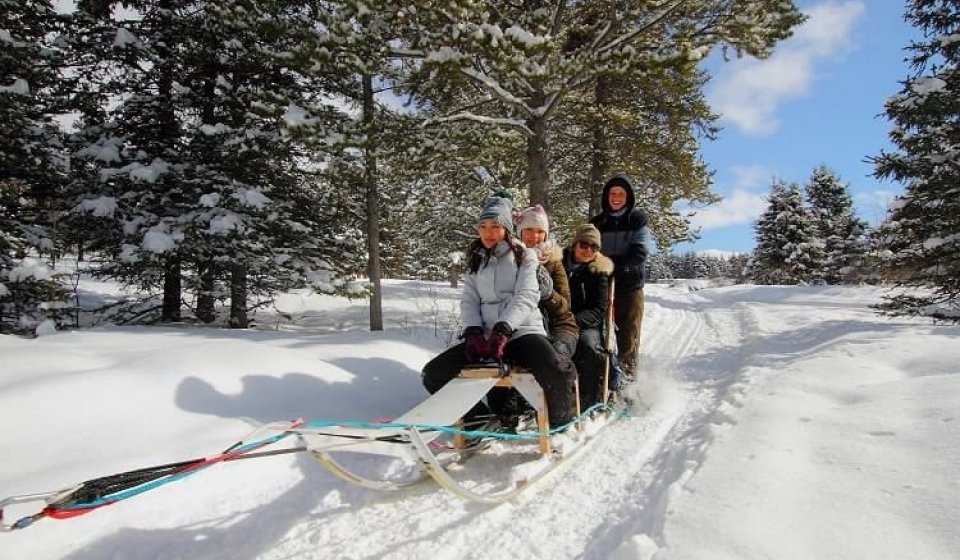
(533,217)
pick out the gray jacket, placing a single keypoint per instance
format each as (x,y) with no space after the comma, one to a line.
(502,291)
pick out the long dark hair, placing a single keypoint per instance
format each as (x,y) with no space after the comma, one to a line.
(478,255)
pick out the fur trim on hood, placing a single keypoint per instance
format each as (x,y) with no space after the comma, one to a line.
(550,252)
(601,265)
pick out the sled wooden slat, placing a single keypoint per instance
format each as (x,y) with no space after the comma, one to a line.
(523,381)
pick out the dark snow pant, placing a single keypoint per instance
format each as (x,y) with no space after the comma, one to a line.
(628,316)
(589,359)
(553,372)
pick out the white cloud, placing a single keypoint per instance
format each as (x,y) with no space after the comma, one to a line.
(748,92)
(739,207)
(745,199)
(751,177)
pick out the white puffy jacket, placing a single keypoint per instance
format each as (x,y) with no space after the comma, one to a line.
(502,291)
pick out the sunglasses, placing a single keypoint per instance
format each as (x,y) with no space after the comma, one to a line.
(586,246)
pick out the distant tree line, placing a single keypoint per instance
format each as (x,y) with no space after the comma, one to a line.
(668,266)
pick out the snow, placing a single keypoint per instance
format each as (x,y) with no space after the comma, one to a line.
(149,173)
(158,240)
(226,223)
(771,422)
(18,87)
(29,269)
(102,206)
(927,85)
(297,116)
(252,197)
(124,38)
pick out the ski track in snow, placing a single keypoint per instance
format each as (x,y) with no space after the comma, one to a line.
(636,464)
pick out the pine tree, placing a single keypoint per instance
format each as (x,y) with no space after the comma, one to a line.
(193,177)
(841,232)
(647,122)
(515,66)
(787,251)
(31,163)
(922,231)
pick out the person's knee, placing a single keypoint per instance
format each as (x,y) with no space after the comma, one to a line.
(434,377)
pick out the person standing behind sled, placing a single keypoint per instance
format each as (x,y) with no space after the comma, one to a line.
(498,308)
(562,326)
(589,272)
(625,239)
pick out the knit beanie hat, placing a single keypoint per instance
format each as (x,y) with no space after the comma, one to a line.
(587,233)
(534,217)
(499,208)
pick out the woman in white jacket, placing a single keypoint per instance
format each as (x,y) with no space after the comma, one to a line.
(502,322)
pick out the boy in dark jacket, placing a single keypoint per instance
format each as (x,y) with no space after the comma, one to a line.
(625,239)
(589,273)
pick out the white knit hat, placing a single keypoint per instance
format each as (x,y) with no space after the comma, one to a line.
(533,217)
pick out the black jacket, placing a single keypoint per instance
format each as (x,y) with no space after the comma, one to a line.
(625,236)
(589,289)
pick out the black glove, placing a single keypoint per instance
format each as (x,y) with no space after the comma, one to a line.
(471,330)
(503,328)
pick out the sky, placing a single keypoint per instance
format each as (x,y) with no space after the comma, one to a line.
(817,101)
(778,422)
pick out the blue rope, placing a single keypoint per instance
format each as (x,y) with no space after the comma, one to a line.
(136,490)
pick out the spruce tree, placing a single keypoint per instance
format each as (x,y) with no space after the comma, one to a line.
(193,176)
(31,163)
(787,251)
(841,232)
(922,230)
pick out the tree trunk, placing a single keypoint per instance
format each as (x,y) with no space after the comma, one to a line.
(205,299)
(598,150)
(172,275)
(238,297)
(453,274)
(537,174)
(538,177)
(172,286)
(373,206)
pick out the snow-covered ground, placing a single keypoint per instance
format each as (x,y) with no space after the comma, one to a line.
(771,422)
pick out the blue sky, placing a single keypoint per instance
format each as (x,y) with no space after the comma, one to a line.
(817,101)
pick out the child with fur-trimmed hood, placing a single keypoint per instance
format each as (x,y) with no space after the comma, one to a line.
(589,274)
(534,230)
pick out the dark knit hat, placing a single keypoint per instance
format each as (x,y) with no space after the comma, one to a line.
(587,233)
(499,209)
